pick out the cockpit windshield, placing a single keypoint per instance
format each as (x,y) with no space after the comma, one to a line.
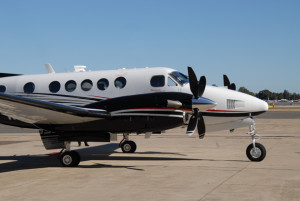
(179,77)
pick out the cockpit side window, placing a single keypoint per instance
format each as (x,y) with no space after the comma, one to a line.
(171,82)
(179,77)
(157,81)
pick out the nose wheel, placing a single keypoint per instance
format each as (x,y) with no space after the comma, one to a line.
(255,151)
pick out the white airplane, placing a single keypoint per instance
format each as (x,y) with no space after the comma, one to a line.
(95,106)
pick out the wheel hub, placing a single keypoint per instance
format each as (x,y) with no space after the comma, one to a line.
(67,160)
(127,147)
(255,152)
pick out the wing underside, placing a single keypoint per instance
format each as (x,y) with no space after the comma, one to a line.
(41,112)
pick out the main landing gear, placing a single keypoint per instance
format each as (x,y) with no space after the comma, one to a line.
(255,151)
(69,158)
(126,145)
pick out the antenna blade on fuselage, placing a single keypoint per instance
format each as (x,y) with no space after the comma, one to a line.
(49,69)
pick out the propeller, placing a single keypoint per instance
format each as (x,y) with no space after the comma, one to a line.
(198,88)
(227,83)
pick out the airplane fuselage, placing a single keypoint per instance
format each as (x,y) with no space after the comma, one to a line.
(80,89)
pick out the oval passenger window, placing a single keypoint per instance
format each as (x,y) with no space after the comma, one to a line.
(54,86)
(29,88)
(86,85)
(103,84)
(2,89)
(120,82)
(70,85)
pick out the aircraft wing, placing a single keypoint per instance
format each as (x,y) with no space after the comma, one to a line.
(41,112)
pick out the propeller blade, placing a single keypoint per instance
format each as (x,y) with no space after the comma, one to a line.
(201,126)
(226,81)
(232,87)
(202,85)
(192,123)
(193,82)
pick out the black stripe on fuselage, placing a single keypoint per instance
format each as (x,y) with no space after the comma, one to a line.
(229,114)
(8,75)
(150,100)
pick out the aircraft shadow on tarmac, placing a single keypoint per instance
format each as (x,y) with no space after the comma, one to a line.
(101,152)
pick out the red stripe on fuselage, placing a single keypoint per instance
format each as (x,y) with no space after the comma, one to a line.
(99,97)
(227,111)
(160,108)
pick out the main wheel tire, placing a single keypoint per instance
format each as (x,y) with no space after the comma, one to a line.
(256,154)
(70,159)
(128,147)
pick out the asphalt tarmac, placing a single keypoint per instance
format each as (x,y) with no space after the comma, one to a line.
(170,166)
(281,114)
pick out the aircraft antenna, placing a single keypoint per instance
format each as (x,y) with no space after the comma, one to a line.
(49,69)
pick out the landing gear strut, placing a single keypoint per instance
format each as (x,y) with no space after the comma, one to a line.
(69,158)
(126,145)
(255,151)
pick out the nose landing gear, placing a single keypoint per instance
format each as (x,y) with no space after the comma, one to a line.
(255,151)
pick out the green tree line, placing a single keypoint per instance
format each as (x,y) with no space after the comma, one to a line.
(268,95)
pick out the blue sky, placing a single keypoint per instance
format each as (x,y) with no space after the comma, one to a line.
(256,43)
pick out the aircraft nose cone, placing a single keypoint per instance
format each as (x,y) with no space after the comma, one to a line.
(265,106)
(257,105)
(262,106)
